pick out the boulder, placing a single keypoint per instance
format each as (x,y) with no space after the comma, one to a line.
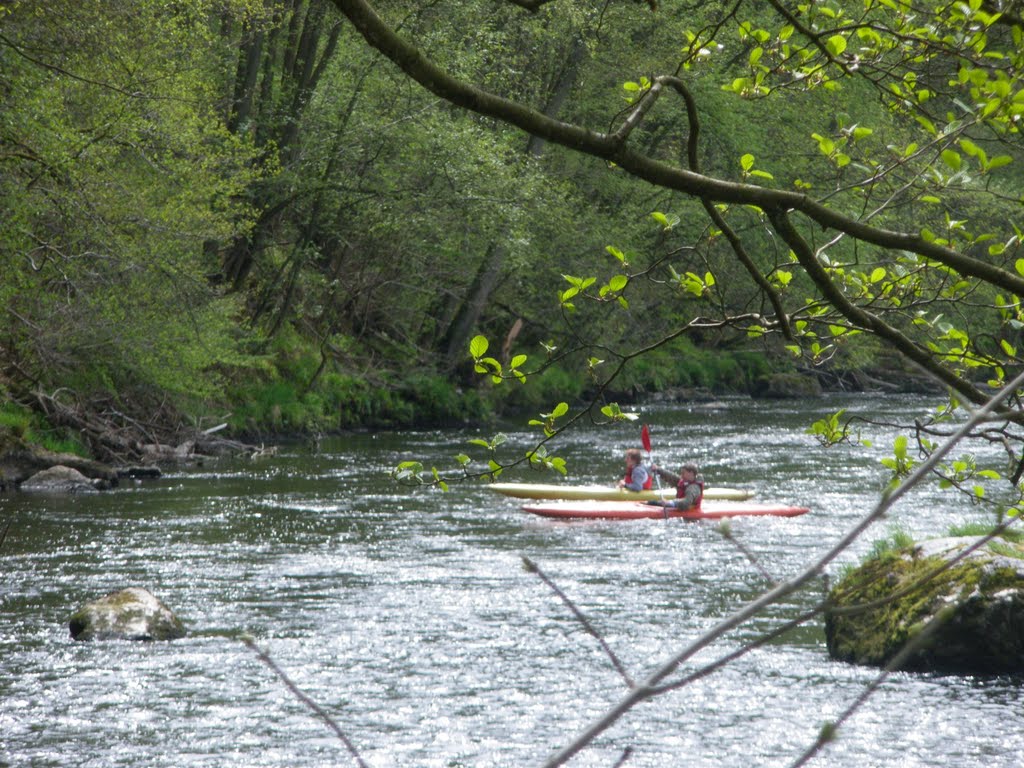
(980,599)
(130,614)
(61,479)
(18,462)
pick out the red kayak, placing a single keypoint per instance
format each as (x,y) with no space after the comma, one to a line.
(637,510)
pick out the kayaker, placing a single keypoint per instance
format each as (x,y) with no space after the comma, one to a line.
(637,478)
(689,487)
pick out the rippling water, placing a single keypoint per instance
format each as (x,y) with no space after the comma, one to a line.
(409,617)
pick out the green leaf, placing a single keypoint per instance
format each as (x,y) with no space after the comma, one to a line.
(952,159)
(972,149)
(478,346)
(618,282)
(836,45)
(900,447)
(878,274)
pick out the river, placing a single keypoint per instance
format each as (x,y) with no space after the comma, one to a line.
(408,616)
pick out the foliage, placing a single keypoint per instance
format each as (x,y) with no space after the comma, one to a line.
(115,173)
(285,395)
(897,541)
(827,184)
(876,222)
(19,425)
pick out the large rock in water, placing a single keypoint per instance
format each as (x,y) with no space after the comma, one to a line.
(60,479)
(131,614)
(18,462)
(981,599)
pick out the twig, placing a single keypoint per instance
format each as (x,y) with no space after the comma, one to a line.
(740,652)
(533,568)
(726,530)
(647,688)
(828,731)
(320,712)
(3,535)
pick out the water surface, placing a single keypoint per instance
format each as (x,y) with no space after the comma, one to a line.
(409,617)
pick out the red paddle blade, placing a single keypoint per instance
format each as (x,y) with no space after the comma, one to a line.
(645,438)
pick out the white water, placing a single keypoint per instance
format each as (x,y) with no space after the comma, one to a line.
(408,615)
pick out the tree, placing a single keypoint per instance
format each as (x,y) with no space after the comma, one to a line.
(114,171)
(896,245)
(905,235)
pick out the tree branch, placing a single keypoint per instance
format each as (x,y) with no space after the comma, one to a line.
(606,147)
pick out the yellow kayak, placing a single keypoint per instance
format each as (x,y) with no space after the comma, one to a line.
(606,493)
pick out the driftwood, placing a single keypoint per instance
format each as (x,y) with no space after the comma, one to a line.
(120,439)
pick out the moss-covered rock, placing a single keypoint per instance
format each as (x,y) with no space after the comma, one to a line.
(981,600)
(129,614)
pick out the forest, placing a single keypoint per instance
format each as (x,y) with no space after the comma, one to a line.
(300,216)
(276,219)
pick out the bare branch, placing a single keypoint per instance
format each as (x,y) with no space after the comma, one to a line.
(317,709)
(649,687)
(532,567)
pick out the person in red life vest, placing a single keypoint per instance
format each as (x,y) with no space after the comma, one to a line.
(637,478)
(689,488)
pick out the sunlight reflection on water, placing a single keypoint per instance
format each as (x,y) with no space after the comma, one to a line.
(409,617)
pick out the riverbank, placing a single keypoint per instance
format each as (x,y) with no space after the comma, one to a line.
(257,412)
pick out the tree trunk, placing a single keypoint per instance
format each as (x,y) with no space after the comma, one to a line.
(245,80)
(455,339)
(298,72)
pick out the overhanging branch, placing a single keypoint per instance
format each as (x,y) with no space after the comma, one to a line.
(607,147)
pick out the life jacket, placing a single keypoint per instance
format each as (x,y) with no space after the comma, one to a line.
(647,485)
(681,491)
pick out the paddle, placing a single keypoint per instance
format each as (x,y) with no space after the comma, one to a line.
(645,439)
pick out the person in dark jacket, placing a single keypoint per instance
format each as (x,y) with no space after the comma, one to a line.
(689,488)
